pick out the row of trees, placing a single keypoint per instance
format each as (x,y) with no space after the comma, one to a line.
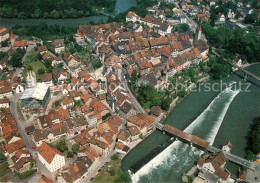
(52,9)
(44,31)
(254,140)
(247,44)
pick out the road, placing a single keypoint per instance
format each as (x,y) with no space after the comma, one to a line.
(136,104)
(20,124)
(101,162)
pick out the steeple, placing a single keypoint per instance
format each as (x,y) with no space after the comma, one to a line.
(12,38)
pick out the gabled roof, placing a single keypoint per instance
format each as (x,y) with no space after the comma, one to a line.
(48,152)
(46,77)
(10,148)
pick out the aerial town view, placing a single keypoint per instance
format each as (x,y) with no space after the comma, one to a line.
(121,91)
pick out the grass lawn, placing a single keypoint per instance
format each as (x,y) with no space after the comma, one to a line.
(107,176)
(35,67)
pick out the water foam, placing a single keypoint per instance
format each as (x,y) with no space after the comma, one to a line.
(167,157)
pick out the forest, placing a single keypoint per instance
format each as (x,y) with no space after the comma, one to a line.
(52,9)
(234,41)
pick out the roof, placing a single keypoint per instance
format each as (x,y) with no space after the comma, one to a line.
(21,43)
(134,131)
(48,152)
(67,100)
(123,135)
(58,43)
(3,31)
(98,143)
(148,79)
(46,77)
(64,113)
(42,48)
(38,92)
(44,179)
(10,148)
(156,110)
(24,160)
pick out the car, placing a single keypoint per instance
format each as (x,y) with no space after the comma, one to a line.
(99,170)
(34,147)
(91,179)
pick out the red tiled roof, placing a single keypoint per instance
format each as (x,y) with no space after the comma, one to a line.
(48,153)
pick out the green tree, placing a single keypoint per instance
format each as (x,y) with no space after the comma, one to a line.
(61,145)
(40,71)
(181,28)
(70,154)
(16,58)
(75,148)
(112,172)
(114,157)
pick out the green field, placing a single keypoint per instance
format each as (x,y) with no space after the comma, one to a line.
(118,176)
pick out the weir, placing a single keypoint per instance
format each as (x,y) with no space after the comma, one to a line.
(201,143)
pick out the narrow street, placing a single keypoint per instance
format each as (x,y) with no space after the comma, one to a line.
(20,124)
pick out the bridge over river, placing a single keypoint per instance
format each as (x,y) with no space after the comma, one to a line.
(201,143)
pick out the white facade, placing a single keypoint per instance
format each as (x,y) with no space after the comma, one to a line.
(4,105)
(4,37)
(59,49)
(6,95)
(57,162)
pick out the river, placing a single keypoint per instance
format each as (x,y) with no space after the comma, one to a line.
(216,116)
(121,6)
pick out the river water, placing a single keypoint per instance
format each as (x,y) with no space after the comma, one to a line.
(216,116)
(121,6)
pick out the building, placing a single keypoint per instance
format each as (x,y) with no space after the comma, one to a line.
(227,147)
(4,103)
(58,45)
(5,89)
(4,34)
(47,79)
(212,167)
(35,97)
(50,157)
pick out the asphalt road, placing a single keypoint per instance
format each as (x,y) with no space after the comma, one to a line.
(20,124)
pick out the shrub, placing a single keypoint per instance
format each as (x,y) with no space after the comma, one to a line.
(115,157)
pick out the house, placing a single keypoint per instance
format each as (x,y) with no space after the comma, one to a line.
(164,29)
(143,122)
(50,157)
(67,103)
(134,132)
(148,79)
(13,147)
(65,90)
(156,110)
(20,44)
(75,173)
(99,146)
(44,179)
(72,60)
(121,148)
(5,89)
(227,147)
(75,94)
(203,48)
(21,154)
(3,63)
(58,45)
(213,164)
(42,49)
(4,103)
(56,61)
(61,76)
(4,34)
(24,164)
(47,79)
(124,136)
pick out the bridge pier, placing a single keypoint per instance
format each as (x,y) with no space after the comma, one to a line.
(245,76)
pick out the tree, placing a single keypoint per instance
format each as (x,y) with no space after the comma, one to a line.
(70,154)
(133,78)
(40,71)
(61,145)
(75,148)
(114,157)
(181,28)
(112,172)
(16,58)
(255,136)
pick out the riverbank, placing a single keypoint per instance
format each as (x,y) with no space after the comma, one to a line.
(121,6)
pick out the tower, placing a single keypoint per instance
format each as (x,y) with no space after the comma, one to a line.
(12,38)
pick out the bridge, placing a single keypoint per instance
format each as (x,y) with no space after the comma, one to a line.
(201,143)
(246,72)
(106,14)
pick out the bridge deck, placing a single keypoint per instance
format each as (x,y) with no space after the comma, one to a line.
(185,136)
